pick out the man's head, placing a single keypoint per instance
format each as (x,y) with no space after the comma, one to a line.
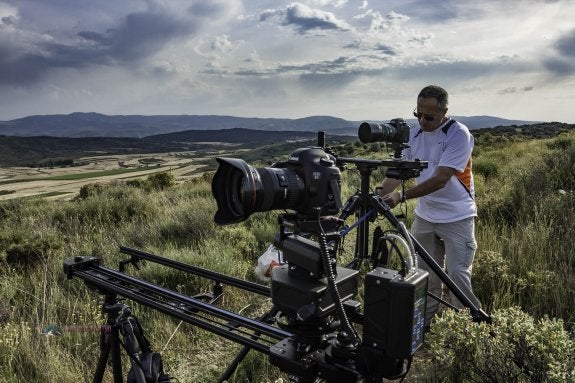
(431,108)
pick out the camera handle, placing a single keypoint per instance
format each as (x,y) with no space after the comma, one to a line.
(368,205)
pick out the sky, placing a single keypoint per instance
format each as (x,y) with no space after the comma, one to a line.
(353,59)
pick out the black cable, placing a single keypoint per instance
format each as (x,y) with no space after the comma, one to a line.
(334,290)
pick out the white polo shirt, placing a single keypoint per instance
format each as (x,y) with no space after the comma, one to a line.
(449,145)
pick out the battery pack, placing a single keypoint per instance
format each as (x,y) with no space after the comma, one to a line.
(394,313)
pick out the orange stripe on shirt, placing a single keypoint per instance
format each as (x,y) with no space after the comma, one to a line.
(465,175)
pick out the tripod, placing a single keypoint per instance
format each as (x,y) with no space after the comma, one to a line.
(146,366)
(368,205)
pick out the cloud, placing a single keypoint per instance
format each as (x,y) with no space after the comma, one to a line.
(305,19)
(561,63)
(392,20)
(513,90)
(222,44)
(29,55)
(334,3)
(559,66)
(566,45)
(386,49)
(8,14)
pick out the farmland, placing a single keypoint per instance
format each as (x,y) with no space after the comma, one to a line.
(65,182)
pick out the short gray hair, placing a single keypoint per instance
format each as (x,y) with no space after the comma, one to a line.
(436,92)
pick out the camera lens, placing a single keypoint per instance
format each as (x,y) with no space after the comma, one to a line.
(372,132)
(397,131)
(241,189)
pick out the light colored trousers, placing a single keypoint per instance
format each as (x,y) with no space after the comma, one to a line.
(452,245)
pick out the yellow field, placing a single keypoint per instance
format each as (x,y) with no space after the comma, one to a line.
(17,182)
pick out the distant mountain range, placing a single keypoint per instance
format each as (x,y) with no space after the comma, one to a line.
(137,126)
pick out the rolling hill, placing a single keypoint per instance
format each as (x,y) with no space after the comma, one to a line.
(137,126)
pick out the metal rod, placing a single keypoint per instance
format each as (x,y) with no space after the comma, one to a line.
(180,306)
(242,284)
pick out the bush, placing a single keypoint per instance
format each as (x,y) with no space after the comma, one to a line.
(154,182)
(486,167)
(161,180)
(90,190)
(514,348)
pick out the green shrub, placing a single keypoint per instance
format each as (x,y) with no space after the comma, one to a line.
(154,182)
(514,348)
(562,143)
(161,180)
(486,167)
(109,206)
(90,190)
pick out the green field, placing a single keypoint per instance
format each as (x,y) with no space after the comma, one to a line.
(524,272)
(76,176)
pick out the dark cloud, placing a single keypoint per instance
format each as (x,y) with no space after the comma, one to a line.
(566,45)
(378,47)
(386,49)
(559,66)
(8,20)
(143,34)
(343,65)
(134,38)
(512,90)
(305,19)
(561,63)
(378,64)
(208,8)
(357,44)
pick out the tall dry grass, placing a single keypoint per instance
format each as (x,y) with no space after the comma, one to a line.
(525,192)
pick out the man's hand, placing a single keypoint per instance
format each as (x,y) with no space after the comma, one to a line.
(392,199)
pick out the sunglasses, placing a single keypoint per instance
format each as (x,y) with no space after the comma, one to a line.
(426,117)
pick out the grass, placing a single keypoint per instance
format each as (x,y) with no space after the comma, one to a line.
(525,234)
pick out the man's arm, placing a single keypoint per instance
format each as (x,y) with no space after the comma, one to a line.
(437,181)
(388,185)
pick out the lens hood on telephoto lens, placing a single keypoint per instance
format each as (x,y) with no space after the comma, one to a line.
(369,132)
(396,131)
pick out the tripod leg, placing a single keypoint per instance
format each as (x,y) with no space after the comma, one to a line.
(133,339)
(267,317)
(109,342)
(116,356)
(105,346)
(234,365)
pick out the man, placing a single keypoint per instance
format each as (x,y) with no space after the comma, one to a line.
(445,211)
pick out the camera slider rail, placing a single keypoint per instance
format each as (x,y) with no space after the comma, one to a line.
(324,360)
(245,331)
(138,255)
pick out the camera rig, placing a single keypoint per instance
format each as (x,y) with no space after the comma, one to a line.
(311,331)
